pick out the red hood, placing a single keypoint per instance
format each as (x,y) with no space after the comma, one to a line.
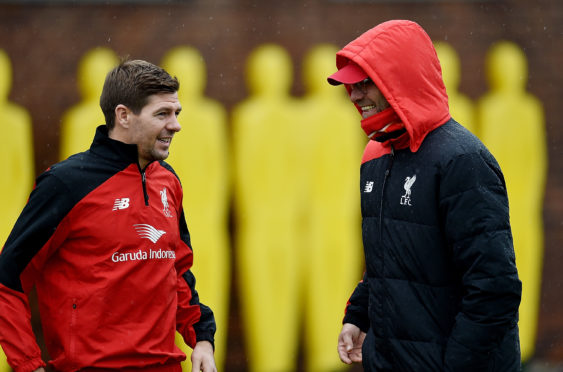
(400,59)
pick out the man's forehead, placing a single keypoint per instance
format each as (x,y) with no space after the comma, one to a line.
(164,100)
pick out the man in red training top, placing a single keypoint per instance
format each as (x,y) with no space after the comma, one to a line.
(103,239)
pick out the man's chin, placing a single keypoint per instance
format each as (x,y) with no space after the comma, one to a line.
(370,113)
(160,155)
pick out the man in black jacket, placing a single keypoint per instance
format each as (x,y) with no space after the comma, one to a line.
(441,290)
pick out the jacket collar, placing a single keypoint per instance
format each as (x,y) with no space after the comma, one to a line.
(113,150)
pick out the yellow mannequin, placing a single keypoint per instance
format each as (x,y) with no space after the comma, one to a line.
(199,155)
(335,143)
(267,189)
(511,124)
(16,151)
(461,107)
(80,121)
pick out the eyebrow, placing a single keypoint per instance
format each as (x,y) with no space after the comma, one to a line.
(167,107)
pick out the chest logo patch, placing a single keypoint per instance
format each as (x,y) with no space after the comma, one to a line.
(146,231)
(406,198)
(122,203)
(164,199)
(369,186)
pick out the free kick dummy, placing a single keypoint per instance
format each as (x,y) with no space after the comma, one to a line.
(461,107)
(511,124)
(200,156)
(333,250)
(268,156)
(80,121)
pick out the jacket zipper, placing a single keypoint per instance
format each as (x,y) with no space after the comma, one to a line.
(145,193)
(387,173)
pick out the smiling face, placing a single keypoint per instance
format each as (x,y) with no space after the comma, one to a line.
(368,97)
(152,129)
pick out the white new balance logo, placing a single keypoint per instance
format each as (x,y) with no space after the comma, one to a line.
(121,204)
(369,186)
(148,232)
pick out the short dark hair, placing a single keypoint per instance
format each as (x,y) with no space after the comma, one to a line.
(130,84)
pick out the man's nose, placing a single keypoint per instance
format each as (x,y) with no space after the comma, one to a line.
(356,94)
(174,125)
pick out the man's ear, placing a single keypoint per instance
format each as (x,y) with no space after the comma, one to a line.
(122,116)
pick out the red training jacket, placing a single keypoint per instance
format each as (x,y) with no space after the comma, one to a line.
(107,247)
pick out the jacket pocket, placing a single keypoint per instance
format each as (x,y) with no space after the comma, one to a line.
(72,329)
(507,356)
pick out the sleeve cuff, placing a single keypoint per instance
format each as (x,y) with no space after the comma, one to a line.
(206,336)
(30,365)
(361,322)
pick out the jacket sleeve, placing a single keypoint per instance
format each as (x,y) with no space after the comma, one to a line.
(474,211)
(357,306)
(194,320)
(17,338)
(20,260)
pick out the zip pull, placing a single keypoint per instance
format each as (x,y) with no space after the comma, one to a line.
(390,165)
(145,193)
(383,186)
